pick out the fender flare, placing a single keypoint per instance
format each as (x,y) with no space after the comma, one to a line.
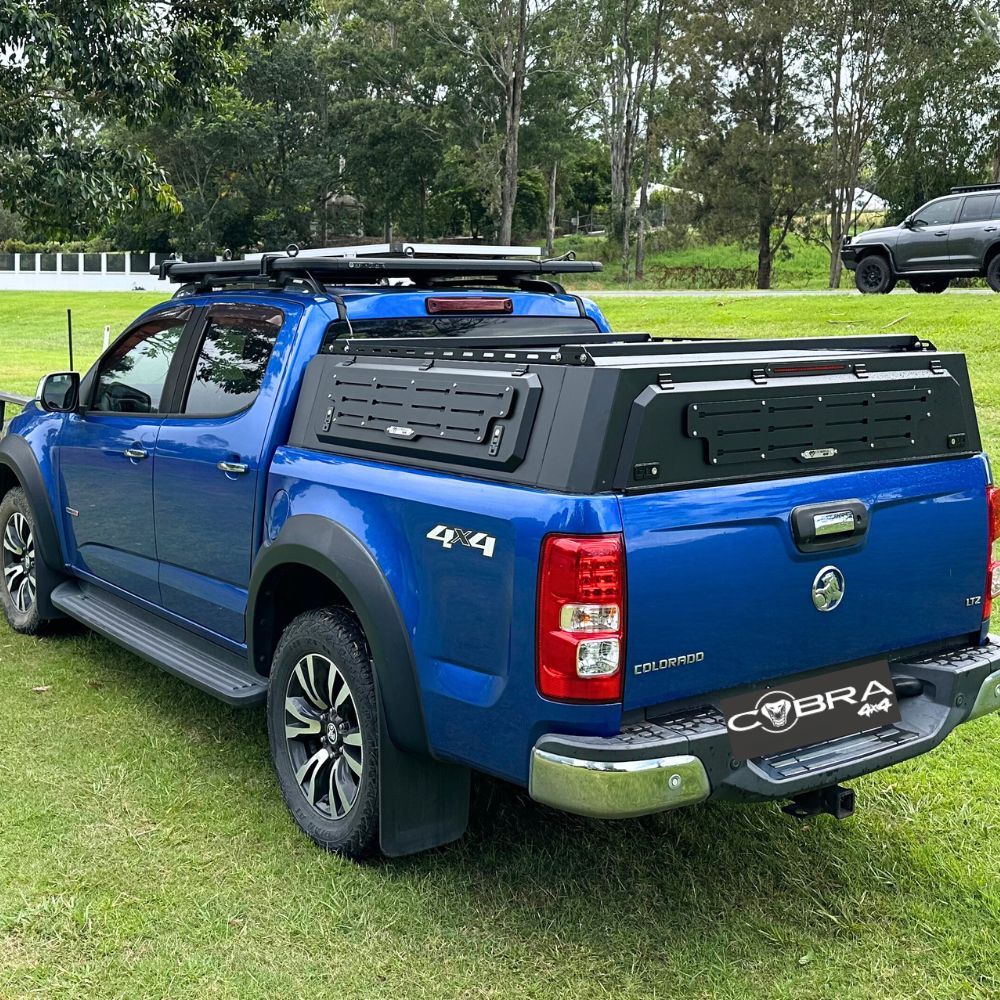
(991,251)
(879,248)
(330,549)
(17,457)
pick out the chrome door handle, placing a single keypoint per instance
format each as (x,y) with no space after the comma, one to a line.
(233,468)
(136,453)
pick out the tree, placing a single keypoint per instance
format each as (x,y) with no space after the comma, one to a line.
(554,105)
(494,44)
(619,35)
(751,157)
(71,68)
(941,119)
(848,53)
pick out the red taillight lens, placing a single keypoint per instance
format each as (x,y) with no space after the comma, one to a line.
(469,304)
(581,617)
(992,562)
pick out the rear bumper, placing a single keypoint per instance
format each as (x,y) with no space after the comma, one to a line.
(685,758)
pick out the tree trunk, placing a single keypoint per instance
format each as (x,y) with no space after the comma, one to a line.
(764,255)
(512,124)
(550,233)
(640,237)
(996,163)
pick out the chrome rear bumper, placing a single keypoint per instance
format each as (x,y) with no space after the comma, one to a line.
(686,758)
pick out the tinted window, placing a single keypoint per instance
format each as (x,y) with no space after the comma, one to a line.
(232,359)
(132,375)
(938,213)
(978,208)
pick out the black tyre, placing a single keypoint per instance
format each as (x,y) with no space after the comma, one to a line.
(323,726)
(874,276)
(19,569)
(929,286)
(993,273)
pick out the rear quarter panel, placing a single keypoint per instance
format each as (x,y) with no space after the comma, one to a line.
(470,618)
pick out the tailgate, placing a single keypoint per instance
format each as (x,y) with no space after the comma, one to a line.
(721,585)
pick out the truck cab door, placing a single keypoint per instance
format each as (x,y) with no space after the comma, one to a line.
(923,245)
(975,231)
(207,490)
(106,456)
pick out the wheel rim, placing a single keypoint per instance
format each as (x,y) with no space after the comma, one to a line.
(18,560)
(871,276)
(323,736)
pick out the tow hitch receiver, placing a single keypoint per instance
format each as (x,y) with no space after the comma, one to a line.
(834,799)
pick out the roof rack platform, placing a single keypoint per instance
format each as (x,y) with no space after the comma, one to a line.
(281,269)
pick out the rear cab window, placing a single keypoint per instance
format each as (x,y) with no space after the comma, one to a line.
(460,326)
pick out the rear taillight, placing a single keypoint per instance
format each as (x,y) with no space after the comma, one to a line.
(581,617)
(992,559)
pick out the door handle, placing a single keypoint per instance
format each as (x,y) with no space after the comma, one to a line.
(990,229)
(945,233)
(135,454)
(233,468)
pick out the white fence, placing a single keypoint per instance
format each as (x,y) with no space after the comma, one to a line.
(81,272)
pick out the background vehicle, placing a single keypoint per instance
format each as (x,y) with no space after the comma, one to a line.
(952,237)
(459,525)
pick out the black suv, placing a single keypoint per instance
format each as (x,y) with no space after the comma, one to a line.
(957,236)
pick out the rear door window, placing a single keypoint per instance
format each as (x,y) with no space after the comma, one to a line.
(978,208)
(232,358)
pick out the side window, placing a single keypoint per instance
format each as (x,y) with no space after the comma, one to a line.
(978,208)
(132,376)
(232,358)
(938,213)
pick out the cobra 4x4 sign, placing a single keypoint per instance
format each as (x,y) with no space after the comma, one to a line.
(804,712)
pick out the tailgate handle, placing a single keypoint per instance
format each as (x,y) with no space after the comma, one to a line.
(834,525)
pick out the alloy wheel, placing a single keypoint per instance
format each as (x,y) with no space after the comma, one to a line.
(871,276)
(18,561)
(323,736)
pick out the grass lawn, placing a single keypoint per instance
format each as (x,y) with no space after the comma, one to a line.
(144,849)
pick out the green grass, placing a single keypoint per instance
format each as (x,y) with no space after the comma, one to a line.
(144,850)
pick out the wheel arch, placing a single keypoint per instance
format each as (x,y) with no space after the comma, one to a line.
(19,468)
(991,253)
(315,563)
(868,249)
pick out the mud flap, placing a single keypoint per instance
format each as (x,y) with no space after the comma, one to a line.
(423,803)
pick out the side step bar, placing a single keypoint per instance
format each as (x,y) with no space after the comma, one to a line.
(199,662)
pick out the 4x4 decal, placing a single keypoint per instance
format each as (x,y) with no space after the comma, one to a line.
(450,537)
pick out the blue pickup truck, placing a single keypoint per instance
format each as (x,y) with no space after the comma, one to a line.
(453,523)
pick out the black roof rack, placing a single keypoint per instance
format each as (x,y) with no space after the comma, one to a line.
(281,269)
(969,188)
